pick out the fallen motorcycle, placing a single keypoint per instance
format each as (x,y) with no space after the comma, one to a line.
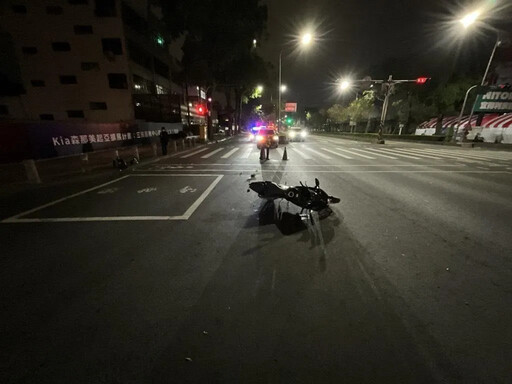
(310,198)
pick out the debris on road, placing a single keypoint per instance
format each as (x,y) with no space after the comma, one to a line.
(188,359)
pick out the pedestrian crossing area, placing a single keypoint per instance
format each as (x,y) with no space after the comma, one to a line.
(322,152)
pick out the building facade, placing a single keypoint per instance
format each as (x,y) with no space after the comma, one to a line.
(86,61)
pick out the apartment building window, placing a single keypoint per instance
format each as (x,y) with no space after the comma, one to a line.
(75,113)
(105,8)
(97,105)
(61,46)
(46,116)
(4,110)
(54,10)
(18,8)
(112,45)
(29,50)
(138,55)
(89,66)
(78,2)
(83,29)
(117,81)
(37,83)
(67,79)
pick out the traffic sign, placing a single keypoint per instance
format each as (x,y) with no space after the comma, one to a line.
(290,107)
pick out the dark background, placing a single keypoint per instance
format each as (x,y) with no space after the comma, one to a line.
(406,38)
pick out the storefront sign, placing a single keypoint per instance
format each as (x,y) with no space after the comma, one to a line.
(495,101)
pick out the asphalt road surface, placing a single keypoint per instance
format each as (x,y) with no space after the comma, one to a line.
(166,274)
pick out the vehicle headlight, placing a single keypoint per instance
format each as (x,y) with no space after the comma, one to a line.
(303,134)
(292,134)
(276,138)
(259,137)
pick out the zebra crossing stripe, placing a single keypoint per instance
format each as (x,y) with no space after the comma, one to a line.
(374,154)
(467,155)
(355,153)
(194,153)
(280,152)
(211,153)
(337,153)
(229,153)
(318,153)
(300,153)
(414,153)
(247,153)
(449,156)
(394,153)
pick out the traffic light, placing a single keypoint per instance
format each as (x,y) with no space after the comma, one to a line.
(200,109)
(289,120)
(422,80)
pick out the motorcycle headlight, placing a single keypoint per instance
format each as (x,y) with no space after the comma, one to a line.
(259,137)
(292,134)
(276,138)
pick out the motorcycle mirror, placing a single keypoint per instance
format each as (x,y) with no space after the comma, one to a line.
(317,183)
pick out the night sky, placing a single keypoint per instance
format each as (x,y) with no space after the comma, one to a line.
(407,38)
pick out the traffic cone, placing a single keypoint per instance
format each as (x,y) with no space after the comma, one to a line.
(285,154)
(262,153)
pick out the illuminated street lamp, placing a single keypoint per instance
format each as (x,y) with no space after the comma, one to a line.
(305,40)
(283,88)
(469,19)
(344,85)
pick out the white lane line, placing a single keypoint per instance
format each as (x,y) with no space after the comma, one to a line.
(374,154)
(316,152)
(201,198)
(300,153)
(229,153)
(393,153)
(194,153)
(212,153)
(355,153)
(273,170)
(15,217)
(337,153)
(414,153)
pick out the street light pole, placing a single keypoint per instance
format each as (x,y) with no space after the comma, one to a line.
(454,138)
(279,94)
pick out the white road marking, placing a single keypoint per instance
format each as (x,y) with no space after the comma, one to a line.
(212,153)
(194,153)
(355,153)
(344,171)
(318,153)
(280,152)
(393,153)
(15,217)
(201,198)
(229,153)
(185,216)
(337,153)
(375,154)
(247,153)
(188,188)
(300,153)
(414,153)
(460,154)
(147,190)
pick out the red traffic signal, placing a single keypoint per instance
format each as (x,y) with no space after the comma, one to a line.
(422,80)
(200,109)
